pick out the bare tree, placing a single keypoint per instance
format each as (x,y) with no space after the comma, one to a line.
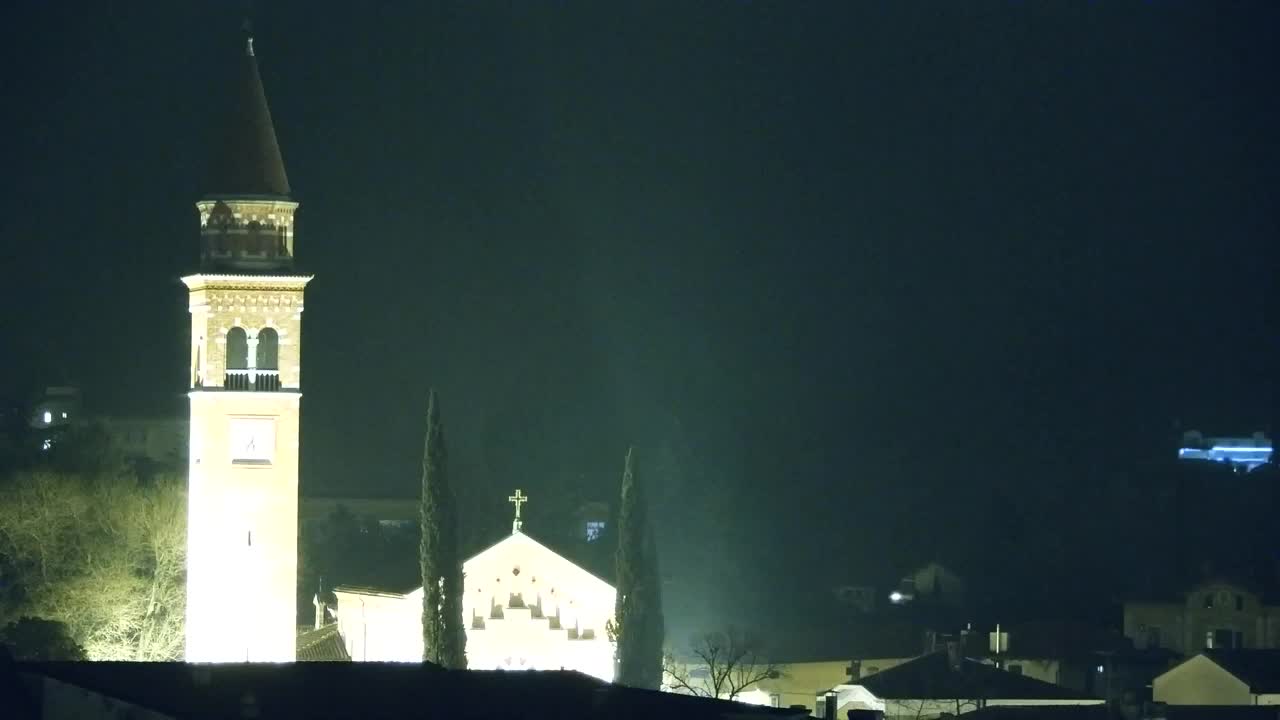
(719,664)
(104,555)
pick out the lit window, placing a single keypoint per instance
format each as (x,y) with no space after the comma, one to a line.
(46,444)
(1153,637)
(48,417)
(64,414)
(595,528)
(1222,639)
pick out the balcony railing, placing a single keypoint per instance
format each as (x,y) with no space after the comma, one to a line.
(252,379)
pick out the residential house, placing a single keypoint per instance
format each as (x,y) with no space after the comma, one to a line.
(931,584)
(946,683)
(810,664)
(1222,677)
(1069,654)
(1095,660)
(388,513)
(160,442)
(1214,615)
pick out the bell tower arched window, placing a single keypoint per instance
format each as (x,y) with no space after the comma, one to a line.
(268,349)
(237,359)
(237,349)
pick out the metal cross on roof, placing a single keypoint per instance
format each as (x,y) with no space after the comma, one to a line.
(518,499)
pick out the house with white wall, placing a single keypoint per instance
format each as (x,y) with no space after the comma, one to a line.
(1222,677)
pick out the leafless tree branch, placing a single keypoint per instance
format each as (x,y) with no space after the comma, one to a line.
(719,664)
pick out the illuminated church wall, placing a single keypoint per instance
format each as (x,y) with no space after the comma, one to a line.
(526,608)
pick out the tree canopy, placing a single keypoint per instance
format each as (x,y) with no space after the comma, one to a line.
(638,623)
(443,634)
(101,553)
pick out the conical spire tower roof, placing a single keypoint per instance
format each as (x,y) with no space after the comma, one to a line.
(247,159)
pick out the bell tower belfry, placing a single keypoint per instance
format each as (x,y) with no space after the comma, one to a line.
(245,388)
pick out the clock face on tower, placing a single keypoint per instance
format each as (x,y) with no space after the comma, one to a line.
(253,440)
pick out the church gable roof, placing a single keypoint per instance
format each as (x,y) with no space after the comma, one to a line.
(558,562)
(522,540)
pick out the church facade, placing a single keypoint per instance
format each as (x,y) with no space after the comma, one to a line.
(526,608)
(245,384)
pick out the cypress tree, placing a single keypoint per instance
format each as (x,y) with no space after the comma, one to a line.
(638,626)
(454,633)
(443,636)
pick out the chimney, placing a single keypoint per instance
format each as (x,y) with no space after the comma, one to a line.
(930,641)
(319,611)
(829,707)
(955,655)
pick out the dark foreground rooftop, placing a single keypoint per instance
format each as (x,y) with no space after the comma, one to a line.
(359,690)
(935,676)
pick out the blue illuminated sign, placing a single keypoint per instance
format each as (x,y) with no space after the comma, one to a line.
(1244,454)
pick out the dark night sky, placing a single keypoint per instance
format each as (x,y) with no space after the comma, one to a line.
(859,266)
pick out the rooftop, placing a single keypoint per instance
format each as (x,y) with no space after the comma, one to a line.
(1259,668)
(933,677)
(323,690)
(322,645)
(1041,712)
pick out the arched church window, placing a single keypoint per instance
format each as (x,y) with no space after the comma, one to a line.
(268,349)
(237,349)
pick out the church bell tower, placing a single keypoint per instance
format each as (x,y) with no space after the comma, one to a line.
(245,389)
